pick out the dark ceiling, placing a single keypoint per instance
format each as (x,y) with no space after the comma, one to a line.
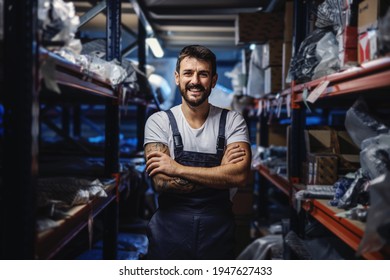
(175,23)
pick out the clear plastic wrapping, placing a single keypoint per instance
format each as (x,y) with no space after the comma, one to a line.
(384,34)
(329,14)
(306,60)
(327,55)
(377,229)
(57,20)
(375,155)
(361,124)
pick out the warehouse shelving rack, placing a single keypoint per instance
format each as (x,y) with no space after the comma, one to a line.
(21,98)
(371,80)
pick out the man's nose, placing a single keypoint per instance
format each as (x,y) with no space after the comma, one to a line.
(195,79)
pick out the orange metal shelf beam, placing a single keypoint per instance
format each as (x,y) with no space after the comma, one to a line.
(278,181)
(348,231)
(50,242)
(372,75)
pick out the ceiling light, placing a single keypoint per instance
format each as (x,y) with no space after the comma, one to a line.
(155,46)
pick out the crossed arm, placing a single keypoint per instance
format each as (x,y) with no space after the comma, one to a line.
(168,175)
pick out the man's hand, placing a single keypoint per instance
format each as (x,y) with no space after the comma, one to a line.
(166,182)
(233,171)
(158,162)
(233,154)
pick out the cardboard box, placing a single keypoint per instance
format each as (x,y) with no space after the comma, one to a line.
(329,153)
(348,153)
(367,46)
(322,169)
(273,79)
(320,141)
(272,53)
(321,165)
(370,11)
(258,27)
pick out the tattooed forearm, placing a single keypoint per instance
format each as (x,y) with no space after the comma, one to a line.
(178,185)
(165,183)
(156,147)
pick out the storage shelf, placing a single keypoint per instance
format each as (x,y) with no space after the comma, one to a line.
(72,75)
(371,75)
(350,231)
(279,182)
(51,241)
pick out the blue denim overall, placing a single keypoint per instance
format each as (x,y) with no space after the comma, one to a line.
(196,225)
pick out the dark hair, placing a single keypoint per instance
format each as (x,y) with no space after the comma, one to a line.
(198,52)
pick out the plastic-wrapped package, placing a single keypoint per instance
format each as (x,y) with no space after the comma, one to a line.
(329,14)
(255,84)
(303,64)
(340,188)
(384,34)
(361,124)
(68,190)
(356,193)
(375,155)
(110,71)
(57,20)
(97,48)
(327,55)
(377,231)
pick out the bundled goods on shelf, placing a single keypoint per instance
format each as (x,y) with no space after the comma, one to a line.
(58,23)
(371,16)
(265,69)
(321,166)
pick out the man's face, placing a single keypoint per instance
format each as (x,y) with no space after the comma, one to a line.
(195,80)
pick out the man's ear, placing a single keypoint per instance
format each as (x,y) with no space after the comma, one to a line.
(177,78)
(214,80)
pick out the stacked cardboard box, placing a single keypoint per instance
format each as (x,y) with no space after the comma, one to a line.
(258,27)
(321,159)
(329,153)
(369,14)
(271,63)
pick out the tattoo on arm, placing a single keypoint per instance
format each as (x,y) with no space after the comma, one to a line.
(152,147)
(164,183)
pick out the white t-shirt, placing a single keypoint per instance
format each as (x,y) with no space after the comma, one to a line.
(203,139)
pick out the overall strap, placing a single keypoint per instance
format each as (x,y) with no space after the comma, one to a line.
(221,133)
(177,141)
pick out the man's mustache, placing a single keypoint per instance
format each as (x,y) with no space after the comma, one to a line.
(197,87)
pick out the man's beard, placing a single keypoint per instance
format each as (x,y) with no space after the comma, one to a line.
(198,102)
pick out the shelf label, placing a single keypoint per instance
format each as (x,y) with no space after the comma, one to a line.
(318,91)
(288,105)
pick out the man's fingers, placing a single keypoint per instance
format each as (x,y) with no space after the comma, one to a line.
(153,154)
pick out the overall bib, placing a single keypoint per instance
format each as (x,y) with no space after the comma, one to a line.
(196,225)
